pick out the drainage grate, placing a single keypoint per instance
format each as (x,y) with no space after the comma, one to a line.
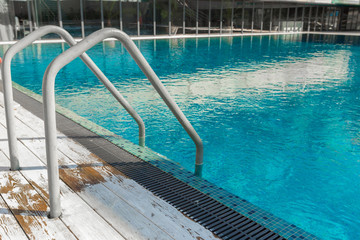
(215,216)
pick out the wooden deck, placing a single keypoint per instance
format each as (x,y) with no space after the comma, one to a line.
(98,201)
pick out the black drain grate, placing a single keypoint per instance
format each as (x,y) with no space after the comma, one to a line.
(215,216)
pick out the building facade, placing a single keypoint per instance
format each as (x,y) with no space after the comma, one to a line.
(172,17)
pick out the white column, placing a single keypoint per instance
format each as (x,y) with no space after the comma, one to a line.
(82,19)
(59,13)
(102,13)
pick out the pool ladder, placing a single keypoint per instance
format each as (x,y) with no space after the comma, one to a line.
(48,89)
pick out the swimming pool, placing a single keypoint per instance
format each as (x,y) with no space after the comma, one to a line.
(278,115)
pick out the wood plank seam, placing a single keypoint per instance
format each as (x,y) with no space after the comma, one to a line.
(41,194)
(30,209)
(8,207)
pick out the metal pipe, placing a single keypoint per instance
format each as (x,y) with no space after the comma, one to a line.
(169,1)
(262,19)
(221,15)
(154,16)
(209,30)
(309,24)
(252,17)
(302,18)
(316,17)
(348,19)
(339,19)
(36,14)
(29,15)
(82,19)
(279,19)
(271,16)
(242,17)
(333,18)
(295,18)
(59,13)
(232,16)
(102,13)
(197,17)
(138,16)
(120,15)
(49,103)
(287,19)
(328,20)
(8,93)
(183,23)
(322,19)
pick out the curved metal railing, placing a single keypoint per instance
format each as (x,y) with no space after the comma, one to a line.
(8,93)
(49,104)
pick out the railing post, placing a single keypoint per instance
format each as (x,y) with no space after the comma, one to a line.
(51,148)
(199,160)
(9,111)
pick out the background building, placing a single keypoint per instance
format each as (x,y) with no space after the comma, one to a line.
(171,17)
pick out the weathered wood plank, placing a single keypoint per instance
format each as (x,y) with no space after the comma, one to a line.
(9,227)
(29,208)
(75,212)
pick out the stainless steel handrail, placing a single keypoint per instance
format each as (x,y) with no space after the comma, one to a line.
(8,93)
(49,104)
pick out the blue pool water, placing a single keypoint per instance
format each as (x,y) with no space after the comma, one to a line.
(279,116)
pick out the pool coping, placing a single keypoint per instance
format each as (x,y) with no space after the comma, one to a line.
(182,36)
(31,102)
(159,37)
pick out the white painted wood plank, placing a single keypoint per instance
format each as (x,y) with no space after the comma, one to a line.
(9,227)
(163,214)
(29,208)
(75,212)
(27,117)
